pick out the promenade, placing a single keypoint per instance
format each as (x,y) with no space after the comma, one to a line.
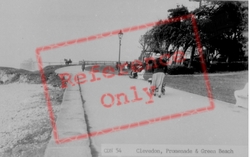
(225,125)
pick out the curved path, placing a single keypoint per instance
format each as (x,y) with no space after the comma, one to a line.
(225,125)
(136,121)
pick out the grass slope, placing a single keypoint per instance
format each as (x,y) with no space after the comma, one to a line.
(24,76)
(222,85)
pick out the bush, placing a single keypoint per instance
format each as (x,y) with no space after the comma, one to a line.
(196,64)
(233,66)
(238,66)
(15,78)
(179,69)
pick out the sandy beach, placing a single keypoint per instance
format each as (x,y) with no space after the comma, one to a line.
(24,121)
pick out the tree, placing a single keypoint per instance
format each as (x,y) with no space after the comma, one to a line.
(220,26)
(167,33)
(225,27)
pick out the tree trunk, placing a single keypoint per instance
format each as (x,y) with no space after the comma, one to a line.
(208,57)
(228,61)
(184,52)
(167,47)
(176,54)
(191,56)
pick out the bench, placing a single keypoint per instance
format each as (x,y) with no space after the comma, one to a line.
(242,97)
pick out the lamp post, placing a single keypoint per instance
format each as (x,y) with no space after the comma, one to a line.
(120,34)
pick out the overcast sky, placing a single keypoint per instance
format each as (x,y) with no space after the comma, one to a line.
(28,24)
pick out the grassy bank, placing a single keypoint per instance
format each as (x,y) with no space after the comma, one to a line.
(11,75)
(222,85)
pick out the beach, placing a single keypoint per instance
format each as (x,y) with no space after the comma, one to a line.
(25,126)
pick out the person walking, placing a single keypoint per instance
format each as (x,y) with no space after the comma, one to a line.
(159,66)
(83,65)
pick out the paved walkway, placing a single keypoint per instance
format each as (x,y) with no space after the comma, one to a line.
(225,125)
(124,123)
(70,123)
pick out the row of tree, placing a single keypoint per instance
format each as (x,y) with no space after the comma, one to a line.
(221,26)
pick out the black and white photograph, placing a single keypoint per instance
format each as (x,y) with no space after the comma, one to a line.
(123,78)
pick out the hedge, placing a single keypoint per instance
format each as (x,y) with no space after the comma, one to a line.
(179,69)
(233,66)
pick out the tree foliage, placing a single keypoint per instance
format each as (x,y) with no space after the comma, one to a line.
(221,27)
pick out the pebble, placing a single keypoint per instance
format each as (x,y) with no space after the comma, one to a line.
(23,111)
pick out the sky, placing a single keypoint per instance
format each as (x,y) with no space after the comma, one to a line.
(27,25)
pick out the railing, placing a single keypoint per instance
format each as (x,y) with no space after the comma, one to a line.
(34,65)
(101,62)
